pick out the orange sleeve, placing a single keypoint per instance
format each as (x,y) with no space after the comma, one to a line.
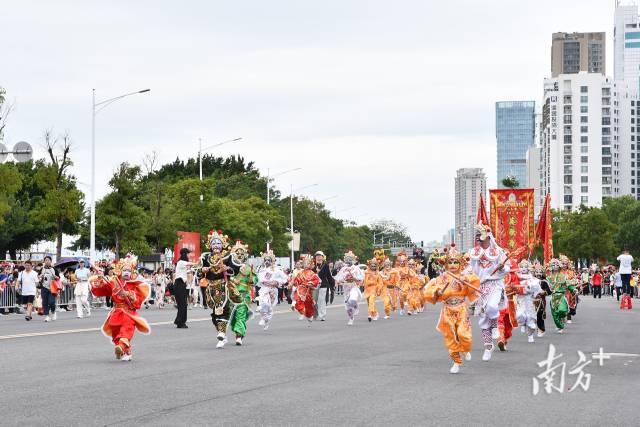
(474,280)
(430,291)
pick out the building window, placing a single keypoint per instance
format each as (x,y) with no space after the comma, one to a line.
(567,149)
(585,99)
(585,89)
(606,140)
(585,129)
(584,159)
(568,179)
(567,139)
(568,169)
(567,99)
(584,119)
(584,139)
(567,159)
(606,151)
(606,160)
(584,200)
(584,149)
(584,109)
(584,169)
(568,199)
(606,171)
(606,121)
(584,179)
(606,180)
(584,189)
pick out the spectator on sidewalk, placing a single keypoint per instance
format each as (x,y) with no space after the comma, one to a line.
(81,290)
(27,282)
(596,284)
(47,276)
(180,288)
(584,278)
(617,282)
(625,271)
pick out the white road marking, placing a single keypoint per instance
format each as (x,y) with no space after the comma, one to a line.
(169,322)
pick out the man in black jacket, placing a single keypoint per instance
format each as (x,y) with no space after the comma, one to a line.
(326,288)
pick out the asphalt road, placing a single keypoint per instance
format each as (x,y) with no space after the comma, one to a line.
(386,372)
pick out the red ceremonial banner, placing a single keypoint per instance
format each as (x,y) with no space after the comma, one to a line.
(512,221)
(544,231)
(188,240)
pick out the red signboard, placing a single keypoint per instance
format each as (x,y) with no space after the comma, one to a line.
(512,219)
(188,240)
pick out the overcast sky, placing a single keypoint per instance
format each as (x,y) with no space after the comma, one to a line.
(380,102)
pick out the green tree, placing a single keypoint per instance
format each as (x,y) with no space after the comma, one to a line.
(62,206)
(586,234)
(119,220)
(510,182)
(11,183)
(357,239)
(22,228)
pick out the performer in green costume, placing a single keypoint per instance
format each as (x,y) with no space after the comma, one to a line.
(244,282)
(559,285)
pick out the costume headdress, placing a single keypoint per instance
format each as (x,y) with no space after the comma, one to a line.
(372,262)
(453,254)
(350,257)
(218,236)
(554,264)
(130,262)
(524,265)
(401,257)
(269,255)
(482,231)
(307,260)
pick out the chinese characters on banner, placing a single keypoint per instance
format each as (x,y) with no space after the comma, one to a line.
(511,217)
(190,241)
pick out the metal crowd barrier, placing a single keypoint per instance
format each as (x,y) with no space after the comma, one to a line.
(8,297)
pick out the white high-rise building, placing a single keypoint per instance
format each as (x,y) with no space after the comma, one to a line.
(534,177)
(626,42)
(579,140)
(626,45)
(470,183)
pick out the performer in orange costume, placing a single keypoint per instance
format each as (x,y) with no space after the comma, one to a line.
(128,295)
(452,289)
(404,282)
(305,281)
(390,279)
(414,289)
(373,285)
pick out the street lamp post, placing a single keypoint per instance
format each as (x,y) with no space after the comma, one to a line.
(102,104)
(269,177)
(200,149)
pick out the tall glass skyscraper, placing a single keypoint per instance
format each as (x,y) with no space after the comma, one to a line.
(515,133)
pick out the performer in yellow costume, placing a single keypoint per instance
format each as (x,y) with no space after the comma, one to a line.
(414,289)
(453,289)
(404,283)
(390,280)
(373,285)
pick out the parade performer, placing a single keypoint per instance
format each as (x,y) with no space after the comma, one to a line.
(404,284)
(270,279)
(526,312)
(507,319)
(216,274)
(240,289)
(453,289)
(350,277)
(373,285)
(488,263)
(570,274)
(414,292)
(380,257)
(128,294)
(559,286)
(540,299)
(305,281)
(390,279)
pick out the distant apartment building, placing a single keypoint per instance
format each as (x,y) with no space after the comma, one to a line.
(572,53)
(515,134)
(469,184)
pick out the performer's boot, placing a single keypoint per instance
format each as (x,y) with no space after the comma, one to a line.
(118,351)
(222,340)
(467,356)
(457,362)
(238,340)
(486,356)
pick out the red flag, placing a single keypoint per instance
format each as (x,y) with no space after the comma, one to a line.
(544,230)
(482,217)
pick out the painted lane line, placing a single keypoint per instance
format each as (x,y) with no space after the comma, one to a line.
(169,322)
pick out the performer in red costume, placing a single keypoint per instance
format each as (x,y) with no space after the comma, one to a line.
(305,281)
(508,318)
(128,295)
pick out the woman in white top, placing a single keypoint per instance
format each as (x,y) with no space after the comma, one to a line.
(180,288)
(27,281)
